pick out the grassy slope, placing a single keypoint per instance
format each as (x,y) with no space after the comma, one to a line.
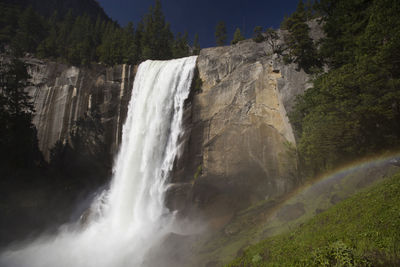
(363,230)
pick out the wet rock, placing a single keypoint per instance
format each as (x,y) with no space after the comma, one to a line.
(178,196)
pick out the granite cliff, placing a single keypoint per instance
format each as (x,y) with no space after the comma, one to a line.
(63,94)
(238,147)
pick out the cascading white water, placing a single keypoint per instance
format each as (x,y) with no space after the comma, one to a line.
(131,216)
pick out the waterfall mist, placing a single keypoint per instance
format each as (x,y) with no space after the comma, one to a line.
(130,218)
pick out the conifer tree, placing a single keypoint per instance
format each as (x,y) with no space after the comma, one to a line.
(138,40)
(18,141)
(129,45)
(220,33)
(48,47)
(63,36)
(308,10)
(196,45)
(8,22)
(181,46)
(258,36)
(301,47)
(237,36)
(30,32)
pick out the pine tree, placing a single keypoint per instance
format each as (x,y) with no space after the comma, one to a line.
(181,46)
(18,141)
(309,10)
(8,22)
(196,45)
(301,47)
(237,36)
(147,42)
(30,32)
(138,40)
(156,37)
(220,33)
(80,42)
(48,47)
(162,35)
(353,110)
(63,36)
(111,51)
(258,36)
(129,45)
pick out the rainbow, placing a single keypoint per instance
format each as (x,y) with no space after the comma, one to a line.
(340,173)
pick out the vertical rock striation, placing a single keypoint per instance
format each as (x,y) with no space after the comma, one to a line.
(62,94)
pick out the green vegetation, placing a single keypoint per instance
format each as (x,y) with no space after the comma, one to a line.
(32,190)
(272,38)
(360,231)
(196,45)
(352,110)
(220,33)
(301,48)
(237,36)
(258,35)
(18,142)
(81,40)
(198,172)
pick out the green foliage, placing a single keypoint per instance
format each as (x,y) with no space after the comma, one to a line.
(196,45)
(301,48)
(337,254)
(198,172)
(237,36)
(344,24)
(360,231)
(181,46)
(18,141)
(81,40)
(29,33)
(8,22)
(156,37)
(353,110)
(258,37)
(220,33)
(272,38)
(83,159)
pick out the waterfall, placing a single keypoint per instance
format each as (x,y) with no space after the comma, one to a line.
(130,217)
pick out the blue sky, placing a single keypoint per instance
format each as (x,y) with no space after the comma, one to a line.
(201,16)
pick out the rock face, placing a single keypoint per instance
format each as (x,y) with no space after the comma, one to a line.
(238,147)
(240,144)
(62,94)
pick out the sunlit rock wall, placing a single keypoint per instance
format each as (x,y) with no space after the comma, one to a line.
(240,146)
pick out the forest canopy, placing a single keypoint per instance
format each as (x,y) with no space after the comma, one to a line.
(81,40)
(353,109)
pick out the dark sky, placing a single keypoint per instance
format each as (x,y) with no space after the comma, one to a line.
(201,16)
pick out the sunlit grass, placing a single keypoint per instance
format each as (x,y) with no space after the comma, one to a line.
(363,230)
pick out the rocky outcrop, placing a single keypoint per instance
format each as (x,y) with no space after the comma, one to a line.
(238,131)
(63,94)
